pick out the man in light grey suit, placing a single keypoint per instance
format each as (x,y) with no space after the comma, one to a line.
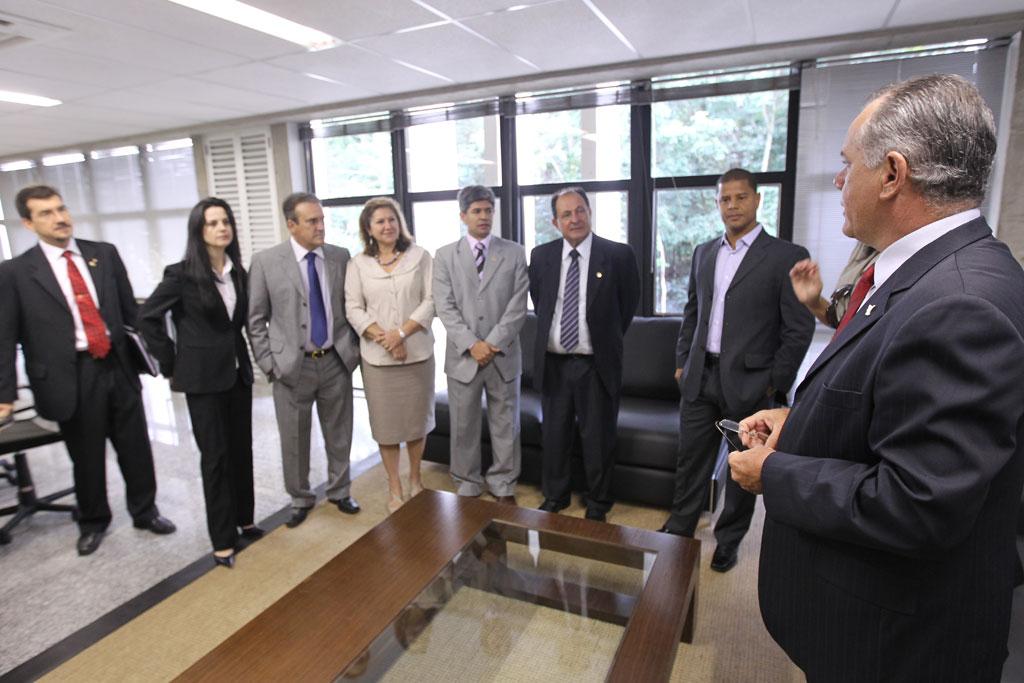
(302,341)
(480,286)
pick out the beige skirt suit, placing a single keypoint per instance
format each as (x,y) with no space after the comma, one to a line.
(399,394)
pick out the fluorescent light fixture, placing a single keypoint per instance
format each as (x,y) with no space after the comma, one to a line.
(318,77)
(264,22)
(61,159)
(116,152)
(22,165)
(411,29)
(24,98)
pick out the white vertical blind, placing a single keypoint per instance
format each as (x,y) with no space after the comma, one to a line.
(240,168)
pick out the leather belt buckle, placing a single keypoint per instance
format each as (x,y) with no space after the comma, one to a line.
(319,353)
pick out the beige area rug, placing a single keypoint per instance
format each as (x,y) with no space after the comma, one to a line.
(731,643)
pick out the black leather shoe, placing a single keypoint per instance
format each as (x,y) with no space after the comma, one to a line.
(725,558)
(665,530)
(348,505)
(297,518)
(252,532)
(89,541)
(228,561)
(158,525)
(552,505)
(595,515)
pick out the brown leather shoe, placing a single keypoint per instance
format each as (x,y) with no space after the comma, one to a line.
(507,500)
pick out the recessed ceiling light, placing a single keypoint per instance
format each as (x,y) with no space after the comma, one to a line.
(20,165)
(23,98)
(264,22)
(61,159)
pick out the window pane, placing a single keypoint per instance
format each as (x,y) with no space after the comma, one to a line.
(451,154)
(171,176)
(610,218)
(438,223)
(118,184)
(341,227)
(710,135)
(353,165)
(570,146)
(684,219)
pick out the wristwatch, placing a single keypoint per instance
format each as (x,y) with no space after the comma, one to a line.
(401,333)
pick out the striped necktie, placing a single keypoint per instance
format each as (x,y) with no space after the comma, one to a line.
(480,259)
(570,330)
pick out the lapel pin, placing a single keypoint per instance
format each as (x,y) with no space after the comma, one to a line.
(93,263)
(870,308)
(599,274)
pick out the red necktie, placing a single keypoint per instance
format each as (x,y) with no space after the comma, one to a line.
(95,330)
(866,281)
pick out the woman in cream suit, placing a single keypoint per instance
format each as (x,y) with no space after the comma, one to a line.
(388,302)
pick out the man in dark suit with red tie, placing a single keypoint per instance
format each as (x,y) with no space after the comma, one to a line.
(585,290)
(66,301)
(891,488)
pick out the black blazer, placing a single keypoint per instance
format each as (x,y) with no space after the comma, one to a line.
(766,329)
(34,312)
(888,551)
(208,343)
(613,292)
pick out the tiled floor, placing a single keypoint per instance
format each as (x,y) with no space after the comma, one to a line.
(48,592)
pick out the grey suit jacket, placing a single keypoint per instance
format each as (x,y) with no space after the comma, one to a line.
(277,311)
(491,308)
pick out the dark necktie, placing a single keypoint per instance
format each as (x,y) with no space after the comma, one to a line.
(317,312)
(570,330)
(480,259)
(866,281)
(95,330)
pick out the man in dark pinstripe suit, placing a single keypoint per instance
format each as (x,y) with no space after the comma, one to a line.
(888,551)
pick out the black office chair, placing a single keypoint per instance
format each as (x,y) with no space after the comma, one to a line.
(17,437)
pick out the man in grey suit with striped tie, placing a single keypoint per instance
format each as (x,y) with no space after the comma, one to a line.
(480,285)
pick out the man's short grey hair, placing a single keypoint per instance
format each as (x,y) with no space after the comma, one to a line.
(474,193)
(943,128)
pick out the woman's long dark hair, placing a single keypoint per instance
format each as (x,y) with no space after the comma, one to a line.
(197,260)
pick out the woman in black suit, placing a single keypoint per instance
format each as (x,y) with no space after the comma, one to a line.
(209,362)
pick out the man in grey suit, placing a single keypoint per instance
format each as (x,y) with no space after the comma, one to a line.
(303,343)
(480,286)
(743,336)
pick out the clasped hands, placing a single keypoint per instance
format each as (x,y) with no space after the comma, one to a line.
(482,352)
(391,340)
(759,433)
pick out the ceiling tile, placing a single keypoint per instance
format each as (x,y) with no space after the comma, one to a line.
(354,66)
(217,95)
(777,21)
(352,18)
(143,102)
(557,35)
(715,26)
(444,50)
(56,88)
(169,19)
(51,62)
(460,9)
(280,81)
(911,12)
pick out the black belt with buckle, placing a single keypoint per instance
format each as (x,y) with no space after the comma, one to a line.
(319,353)
(711,359)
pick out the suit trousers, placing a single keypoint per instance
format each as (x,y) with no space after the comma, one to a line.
(327,382)
(699,442)
(502,422)
(108,407)
(222,426)
(574,394)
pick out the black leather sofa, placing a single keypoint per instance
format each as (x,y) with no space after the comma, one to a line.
(645,452)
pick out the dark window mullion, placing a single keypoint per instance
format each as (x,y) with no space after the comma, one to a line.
(511,215)
(641,194)
(400,170)
(787,200)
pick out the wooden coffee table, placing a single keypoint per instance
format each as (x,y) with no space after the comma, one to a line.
(455,588)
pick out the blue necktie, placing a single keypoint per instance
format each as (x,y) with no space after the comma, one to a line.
(317,312)
(570,330)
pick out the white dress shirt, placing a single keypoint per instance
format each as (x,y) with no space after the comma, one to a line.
(900,251)
(226,288)
(300,257)
(55,257)
(727,263)
(555,337)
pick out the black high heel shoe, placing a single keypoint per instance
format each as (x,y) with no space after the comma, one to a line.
(252,532)
(228,561)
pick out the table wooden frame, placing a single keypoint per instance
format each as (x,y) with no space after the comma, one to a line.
(319,627)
